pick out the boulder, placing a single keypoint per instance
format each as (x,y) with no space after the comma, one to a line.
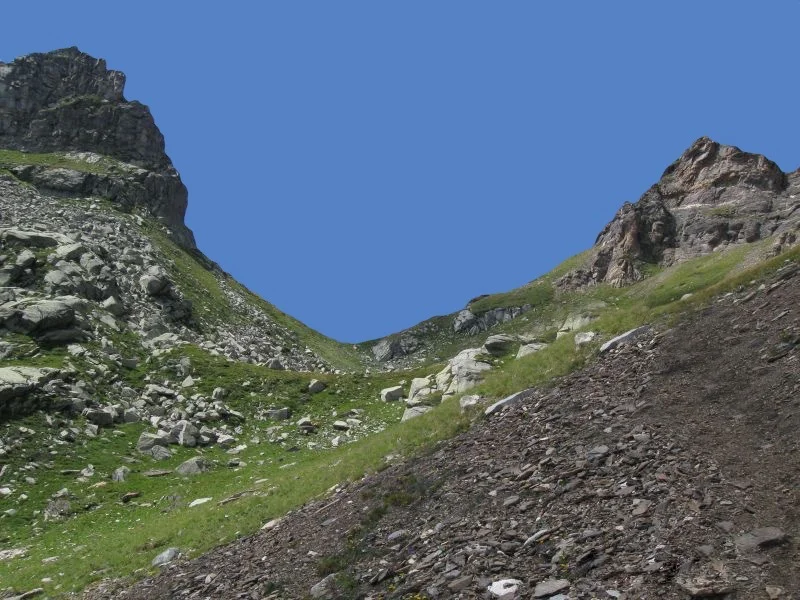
(193,466)
(102,418)
(391,394)
(37,239)
(462,372)
(166,556)
(625,338)
(582,338)
(113,305)
(528,349)
(421,388)
(316,386)
(464,320)
(120,474)
(275,364)
(500,404)
(148,440)
(279,414)
(467,402)
(415,411)
(38,317)
(499,344)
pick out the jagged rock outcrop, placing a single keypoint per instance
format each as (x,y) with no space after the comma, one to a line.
(712,196)
(471,323)
(66,101)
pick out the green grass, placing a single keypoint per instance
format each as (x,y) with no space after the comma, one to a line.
(646,302)
(203,285)
(16,158)
(695,275)
(534,294)
(106,538)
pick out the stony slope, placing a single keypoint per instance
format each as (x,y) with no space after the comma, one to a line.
(712,198)
(667,468)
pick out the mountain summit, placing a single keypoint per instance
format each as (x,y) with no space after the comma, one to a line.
(712,197)
(68,101)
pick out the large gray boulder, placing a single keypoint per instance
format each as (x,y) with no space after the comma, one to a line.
(40,316)
(499,344)
(17,383)
(463,371)
(36,239)
(193,466)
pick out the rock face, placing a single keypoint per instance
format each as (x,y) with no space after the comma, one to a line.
(712,196)
(68,101)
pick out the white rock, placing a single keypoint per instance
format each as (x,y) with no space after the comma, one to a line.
(504,589)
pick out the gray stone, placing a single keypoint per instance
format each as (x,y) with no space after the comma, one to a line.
(468,402)
(101,418)
(550,587)
(341,425)
(38,317)
(499,344)
(463,371)
(120,474)
(624,338)
(275,364)
(25,259)
(528,349)
(38,239)
(70,251)
(391,394)
(193,466)
(166,556)
(279,414)
(582,338)
(421,388)
(500,404)
(414,411)
(114,306)
(325,589)
(148,440)
(160,453)
(316,386)
(763,537)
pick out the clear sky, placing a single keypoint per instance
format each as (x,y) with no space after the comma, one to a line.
(365,165)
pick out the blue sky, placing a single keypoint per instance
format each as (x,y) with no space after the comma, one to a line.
(366,165)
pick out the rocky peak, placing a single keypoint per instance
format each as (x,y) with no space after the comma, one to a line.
(713,196)
(707,164)
(67,101)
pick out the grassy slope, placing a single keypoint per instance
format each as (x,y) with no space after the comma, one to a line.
(15,158)
(109,538)
(202,285)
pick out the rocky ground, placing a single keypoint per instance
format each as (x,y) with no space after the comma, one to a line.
(667,468)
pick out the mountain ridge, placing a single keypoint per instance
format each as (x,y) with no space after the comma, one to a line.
(153,408)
